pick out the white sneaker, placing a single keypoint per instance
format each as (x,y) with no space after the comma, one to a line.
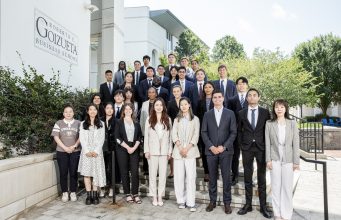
(111,193)
(65,197)
(193,209)
(102,193)
(182,206)
(73,197)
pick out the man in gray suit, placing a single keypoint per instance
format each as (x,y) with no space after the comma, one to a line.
(218,132)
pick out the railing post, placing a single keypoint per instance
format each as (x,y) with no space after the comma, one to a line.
(113,180)
(315,143)
(325,191)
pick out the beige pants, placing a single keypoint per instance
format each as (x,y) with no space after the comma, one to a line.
(281,185)
(185,173)
(157,163)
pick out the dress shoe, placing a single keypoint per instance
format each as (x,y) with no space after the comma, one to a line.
(88,199)
(234,181)
(246,208)
(228,209)
(206,178)
(95,200)
(266,212)
(210,207)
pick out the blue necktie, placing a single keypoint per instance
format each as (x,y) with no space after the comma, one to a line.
(242,100)
(253,119)
(222,87)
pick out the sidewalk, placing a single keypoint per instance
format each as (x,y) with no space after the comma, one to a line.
(308,203)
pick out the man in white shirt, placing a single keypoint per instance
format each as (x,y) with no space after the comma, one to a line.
(108,88)
(171,62)
(189,72)
(138,75)
(185,84)
(227,86)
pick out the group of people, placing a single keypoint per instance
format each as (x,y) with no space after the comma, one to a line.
(175,115)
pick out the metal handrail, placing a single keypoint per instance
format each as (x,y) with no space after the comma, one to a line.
(325,190)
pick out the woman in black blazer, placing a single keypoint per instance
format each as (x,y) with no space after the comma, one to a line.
(173,105)
(128,138)
(204,105)
(129,83)
(109,145)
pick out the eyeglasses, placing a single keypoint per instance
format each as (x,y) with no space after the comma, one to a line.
(182,72)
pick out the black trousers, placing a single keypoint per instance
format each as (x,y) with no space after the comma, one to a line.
(201,146)
(68,164)
(248,157)
(224,160)
(235,160)
(108,166)
(129,162)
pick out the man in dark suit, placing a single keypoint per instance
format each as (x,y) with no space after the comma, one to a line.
(197,91)
(171,62)
(161,74)
(108,88)
(218,133)
(237,103)
(183,82)
(138,75)
(226,85)
(146,64)
(146,84)
(161,91)
(251,139)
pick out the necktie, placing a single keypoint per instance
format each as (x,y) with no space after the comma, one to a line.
(149,82)
(110,89)
(118,113)
(122,75)
(137,78)
(222,87)
(182,86)
(242,100)
(253,119)
(200,90)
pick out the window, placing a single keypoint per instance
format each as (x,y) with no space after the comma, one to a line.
(169,42)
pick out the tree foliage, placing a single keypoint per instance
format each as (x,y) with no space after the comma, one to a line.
(322,57)
(191,46)
(227,48)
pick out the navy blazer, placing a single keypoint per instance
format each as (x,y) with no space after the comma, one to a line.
(224,135)
(230,89)
(188,86)
(163,94)
(194,97)
(143,90)
(234,105)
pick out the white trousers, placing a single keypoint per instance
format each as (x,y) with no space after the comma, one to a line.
(185,175)
(281,186)
(157,163)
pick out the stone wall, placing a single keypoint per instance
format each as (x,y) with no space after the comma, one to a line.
(26,181)
(332,138)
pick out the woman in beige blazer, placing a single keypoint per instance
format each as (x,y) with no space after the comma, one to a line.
(282,157)
(185,134)
(158,148)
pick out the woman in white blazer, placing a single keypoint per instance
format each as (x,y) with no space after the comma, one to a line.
(185,134)
(158,148)
(282,157)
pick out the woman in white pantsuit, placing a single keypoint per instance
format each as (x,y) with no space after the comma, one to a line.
(185,134)
(158,148)
(282,157)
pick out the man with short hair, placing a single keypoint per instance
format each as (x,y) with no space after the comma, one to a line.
(251,140)
(108,88)
(171,62)
(183,82)
(146,64)
(146,83)
(189,72)
(161,74)
(226,85)
(138,75)
(218,132)
(160,90)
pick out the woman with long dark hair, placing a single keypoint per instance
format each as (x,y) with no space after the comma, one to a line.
(128,137)
(282,157)
(130,98)
(158,148)
(96,99)
(91,162)
(129,84)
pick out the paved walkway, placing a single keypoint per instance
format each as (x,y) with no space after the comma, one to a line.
(308,203)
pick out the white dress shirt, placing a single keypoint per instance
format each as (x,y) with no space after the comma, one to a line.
(249,113)
(217,114)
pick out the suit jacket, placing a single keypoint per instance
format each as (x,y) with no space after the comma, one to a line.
(168,86)
(110,143)
(234,105)
(118,78)
(142,76)
(157,146)
(167,71)
(230,89)
(164,79)
(142,70)
(291,150)
(163,94)
(192,129)
(224,134)
(135,88)
(202,109)
(195,97)
(106,96)
(246,135)
(188,86)
(144,114)
(143,90)
(121,134)
(172,109)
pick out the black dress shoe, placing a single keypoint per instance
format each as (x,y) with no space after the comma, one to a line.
(210,207)
(95,199)
(266,212)
(234,181)
(88,200)
(228,209)
(246,208)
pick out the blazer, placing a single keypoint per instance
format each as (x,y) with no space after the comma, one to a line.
(143,90)
(224,134)
(246,135)
(230,89)
(141,77)
(118,79)
(168,85)
(234,105)
(157,146)
(99,136)
(292,142)
(163,93)
(167,71)
(110,143)
(188,86)
(121,134)
(142,70)
(135,88)
(172,109)
(194,97)
(192,136)
(202,109)
(164,79)
(144,114)
(106,96)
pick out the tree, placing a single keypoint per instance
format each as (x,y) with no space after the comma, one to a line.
(322,57)
(190,45)
(227,48)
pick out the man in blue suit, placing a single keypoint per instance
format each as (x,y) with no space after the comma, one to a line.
(185,84)
(218,132)
(146,84)
(227,86)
